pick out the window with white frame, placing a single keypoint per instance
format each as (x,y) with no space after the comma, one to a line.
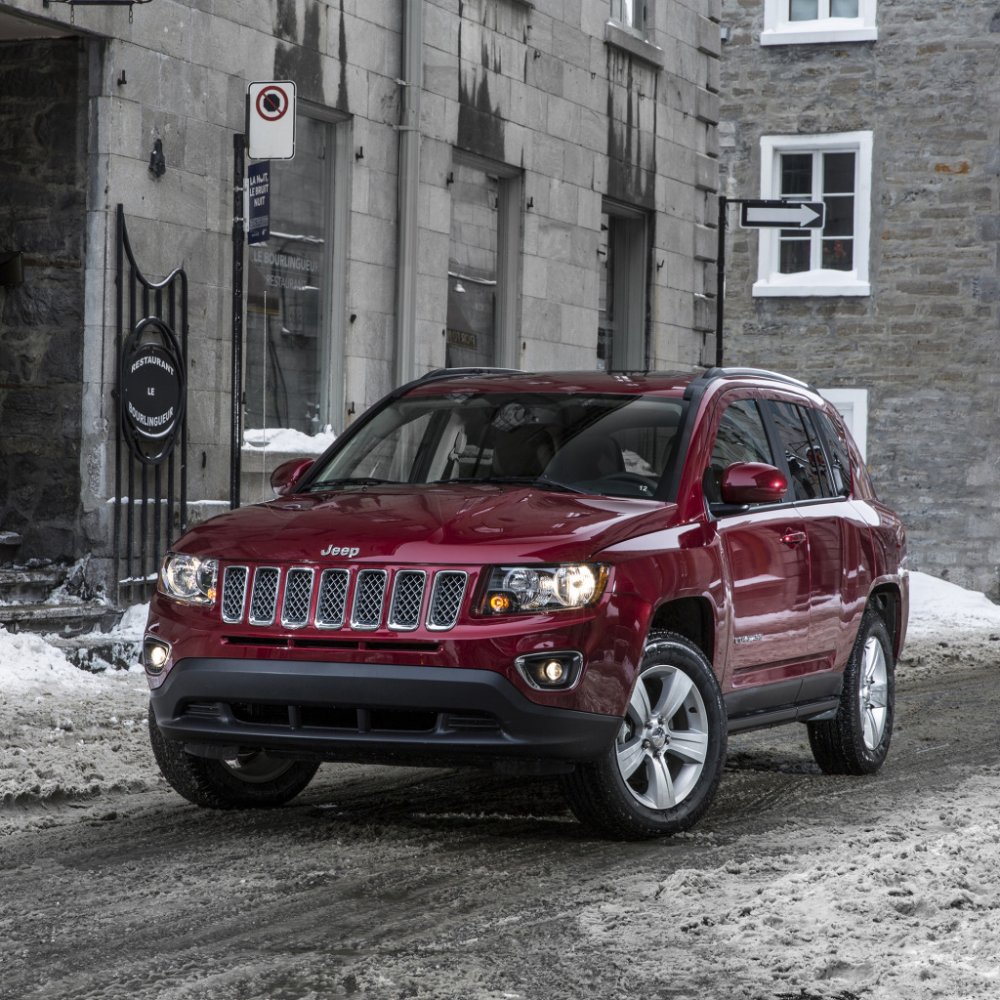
(835,169)
(800,22)
(629,13)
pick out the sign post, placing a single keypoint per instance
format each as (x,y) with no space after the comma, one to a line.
(269,134)
(758,213)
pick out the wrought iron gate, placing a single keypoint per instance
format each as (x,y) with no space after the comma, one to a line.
(151,326)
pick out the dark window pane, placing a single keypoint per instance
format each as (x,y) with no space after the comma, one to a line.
(796,175)
(838,173)
(840,459)
(803,10)
(794,256)
(805,459)
(740,438)
(838,255)
(839,216)
(843,8)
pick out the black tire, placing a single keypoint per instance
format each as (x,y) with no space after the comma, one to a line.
(856,740)
(662,771)
(253,781)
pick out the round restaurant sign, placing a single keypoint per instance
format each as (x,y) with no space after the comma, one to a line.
(152,388)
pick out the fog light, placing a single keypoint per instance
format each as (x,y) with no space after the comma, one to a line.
(553,671)
(549,671)
(155,654)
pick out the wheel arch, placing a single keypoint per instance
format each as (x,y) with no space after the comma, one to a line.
(690,617)
(887,601)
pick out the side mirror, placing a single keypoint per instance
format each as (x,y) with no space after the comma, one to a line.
(287,475)
(753,482)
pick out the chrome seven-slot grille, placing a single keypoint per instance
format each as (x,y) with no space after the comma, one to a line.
(343,597)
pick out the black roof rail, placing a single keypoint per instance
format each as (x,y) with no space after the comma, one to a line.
(440,373)
(711,374)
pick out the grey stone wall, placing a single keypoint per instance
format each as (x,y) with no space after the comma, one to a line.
(42,202)
(925,343)
(541,88)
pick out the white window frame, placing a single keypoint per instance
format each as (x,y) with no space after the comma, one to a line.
(824,281)
(780,30)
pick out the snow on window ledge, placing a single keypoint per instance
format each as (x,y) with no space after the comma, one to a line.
(286,441)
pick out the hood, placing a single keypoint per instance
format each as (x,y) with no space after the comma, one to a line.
(443,525)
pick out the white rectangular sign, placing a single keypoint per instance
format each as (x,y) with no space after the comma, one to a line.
(271,120)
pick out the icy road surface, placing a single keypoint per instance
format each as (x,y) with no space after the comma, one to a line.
(392,883)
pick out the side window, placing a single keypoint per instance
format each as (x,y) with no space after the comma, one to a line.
(804,455)
(840,458)
(741,438)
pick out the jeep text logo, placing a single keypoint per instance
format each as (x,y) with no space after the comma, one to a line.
(340,550)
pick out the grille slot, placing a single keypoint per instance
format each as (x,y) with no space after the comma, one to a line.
(298,597)
(446,600)
(234,593)
(332,598)
(407,597)
(369,595)
(264,599)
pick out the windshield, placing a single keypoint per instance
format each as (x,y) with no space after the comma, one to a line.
(609,445)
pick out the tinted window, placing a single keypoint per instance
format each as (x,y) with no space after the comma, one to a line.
(741,438)
(804,455)
(840,457)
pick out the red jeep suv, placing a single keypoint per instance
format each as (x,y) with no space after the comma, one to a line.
(597,575)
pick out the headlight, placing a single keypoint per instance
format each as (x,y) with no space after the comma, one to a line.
(189,578)
(518,589)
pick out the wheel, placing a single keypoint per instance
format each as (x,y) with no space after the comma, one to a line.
(662,771)
(856,740)
(254,780)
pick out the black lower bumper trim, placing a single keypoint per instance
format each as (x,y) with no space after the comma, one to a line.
(360,711)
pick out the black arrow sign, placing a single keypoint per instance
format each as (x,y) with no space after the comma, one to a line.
(777,214)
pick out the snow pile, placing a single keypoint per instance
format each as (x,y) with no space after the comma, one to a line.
(937,605)
(286,440)
(65,731)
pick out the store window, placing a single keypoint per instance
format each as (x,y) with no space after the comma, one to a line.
(483,254)
(621,334)
(630,13)
(834,169)
(293,362)
(800,22)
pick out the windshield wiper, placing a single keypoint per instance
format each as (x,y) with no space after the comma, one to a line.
(333,484)
(538,482)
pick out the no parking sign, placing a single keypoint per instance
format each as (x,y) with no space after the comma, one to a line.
(271,120)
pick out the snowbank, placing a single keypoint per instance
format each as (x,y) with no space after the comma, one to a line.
(283,439)
(937,606)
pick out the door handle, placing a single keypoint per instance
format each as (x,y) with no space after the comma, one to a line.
(793,538)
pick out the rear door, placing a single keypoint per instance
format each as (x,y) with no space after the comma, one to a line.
(825,511)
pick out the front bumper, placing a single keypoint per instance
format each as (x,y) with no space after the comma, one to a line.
(366,711)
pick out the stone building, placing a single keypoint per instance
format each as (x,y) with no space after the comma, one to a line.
(475,182)
(888,112)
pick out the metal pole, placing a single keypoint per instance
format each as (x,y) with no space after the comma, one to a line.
(720,280)
(239,249)
(409,190)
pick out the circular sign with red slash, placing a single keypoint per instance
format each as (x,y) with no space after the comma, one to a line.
(272,103)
